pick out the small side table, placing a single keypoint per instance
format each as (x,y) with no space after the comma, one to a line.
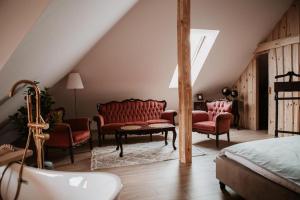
(144,130)
(200,105)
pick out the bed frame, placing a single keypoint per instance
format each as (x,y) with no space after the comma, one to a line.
(249,184)
(290,86)
(246,182)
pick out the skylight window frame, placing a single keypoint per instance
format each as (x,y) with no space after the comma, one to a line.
(199,56)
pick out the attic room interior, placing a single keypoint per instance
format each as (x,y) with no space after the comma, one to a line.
(149,99)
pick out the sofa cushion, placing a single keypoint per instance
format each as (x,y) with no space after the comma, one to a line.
(158,121)
(112,126)
(80,136)
(206,126)
(136,123)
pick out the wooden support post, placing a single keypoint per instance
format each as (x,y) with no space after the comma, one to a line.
(184,81)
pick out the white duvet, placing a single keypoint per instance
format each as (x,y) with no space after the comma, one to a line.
(276,156)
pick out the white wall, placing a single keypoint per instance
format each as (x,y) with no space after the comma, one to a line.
(16,19)
(137,57)
(65,32)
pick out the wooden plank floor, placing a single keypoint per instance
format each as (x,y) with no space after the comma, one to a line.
(168,179)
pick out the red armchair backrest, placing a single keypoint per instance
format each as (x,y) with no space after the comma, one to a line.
(131,110)
(216,107)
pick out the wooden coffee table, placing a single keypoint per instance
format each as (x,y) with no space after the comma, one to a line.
(144,130)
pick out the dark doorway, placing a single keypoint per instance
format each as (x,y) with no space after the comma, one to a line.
(263,77)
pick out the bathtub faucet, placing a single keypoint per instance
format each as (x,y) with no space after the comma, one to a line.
(35,126)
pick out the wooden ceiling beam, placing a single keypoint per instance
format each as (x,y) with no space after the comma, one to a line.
(277,43)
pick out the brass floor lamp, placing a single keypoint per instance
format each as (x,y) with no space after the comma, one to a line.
(74,83)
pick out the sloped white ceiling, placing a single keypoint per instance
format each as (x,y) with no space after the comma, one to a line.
(15,26)
(137,57)
(62,35)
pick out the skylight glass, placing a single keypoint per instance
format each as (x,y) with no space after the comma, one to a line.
(201,42)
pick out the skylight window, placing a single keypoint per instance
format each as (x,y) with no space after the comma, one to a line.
(201,42)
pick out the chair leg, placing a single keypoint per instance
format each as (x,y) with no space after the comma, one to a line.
(228,138)
(217,140)
(99,139)
(91,142)
(103,138)
(116,140)
(207,135)
(71,154)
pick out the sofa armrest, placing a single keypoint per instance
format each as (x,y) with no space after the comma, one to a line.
(199,116)
(79,124)
(169,115)
(223,121)
(99,119)
(60,136)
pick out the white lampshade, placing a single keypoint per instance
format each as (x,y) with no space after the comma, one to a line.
(74,81)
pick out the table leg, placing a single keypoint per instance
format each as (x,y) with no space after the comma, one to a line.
(117,140)
(120,144)
(166,137)
(174,138)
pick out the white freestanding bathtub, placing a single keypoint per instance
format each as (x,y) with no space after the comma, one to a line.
(48,184)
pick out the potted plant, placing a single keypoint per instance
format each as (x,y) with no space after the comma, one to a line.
(20,118)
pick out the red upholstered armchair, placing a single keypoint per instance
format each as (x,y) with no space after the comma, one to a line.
(113,115)
(68,134)
(215,121)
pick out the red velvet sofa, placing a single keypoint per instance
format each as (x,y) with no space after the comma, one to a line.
(113,115)
(215,121)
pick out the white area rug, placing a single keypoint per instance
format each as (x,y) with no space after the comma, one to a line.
(135,154)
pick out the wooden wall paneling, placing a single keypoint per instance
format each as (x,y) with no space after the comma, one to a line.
(288,104)
(275,34)
(294,29)
(241,101)
(245,104)
(293,19)
(272,73)
(280,70)
(283,47)
(245,93)
(296,103)
(250,93)
(255,96)
(270,37)
(283,27)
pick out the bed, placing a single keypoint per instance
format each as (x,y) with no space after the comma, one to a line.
(264,169)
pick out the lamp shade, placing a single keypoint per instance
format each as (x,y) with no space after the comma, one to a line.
(74,81)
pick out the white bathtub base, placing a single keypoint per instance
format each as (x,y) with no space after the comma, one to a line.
(58,185)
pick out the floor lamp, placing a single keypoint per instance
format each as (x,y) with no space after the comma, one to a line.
(74,83)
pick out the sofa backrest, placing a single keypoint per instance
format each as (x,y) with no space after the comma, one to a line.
(131,110)
(216,107)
